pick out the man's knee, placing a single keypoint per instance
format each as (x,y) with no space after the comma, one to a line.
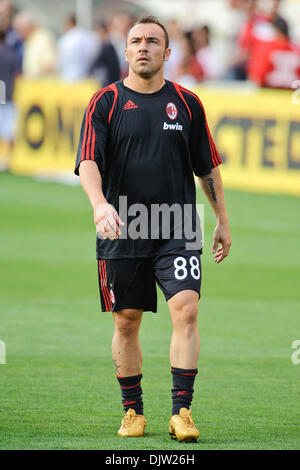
(187,315)
(184,311)
(127,321)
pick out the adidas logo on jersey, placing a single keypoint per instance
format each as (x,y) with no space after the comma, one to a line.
(172,127)
(130,105)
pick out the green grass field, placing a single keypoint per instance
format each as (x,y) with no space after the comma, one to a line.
(58,389)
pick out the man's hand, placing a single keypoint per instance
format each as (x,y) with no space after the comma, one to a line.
(221,235)
(107,221)
(106,218)
(213,189)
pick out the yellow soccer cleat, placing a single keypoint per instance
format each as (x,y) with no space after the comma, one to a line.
(132,425)
(182,427)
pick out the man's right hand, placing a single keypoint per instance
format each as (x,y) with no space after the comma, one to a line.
(107,221)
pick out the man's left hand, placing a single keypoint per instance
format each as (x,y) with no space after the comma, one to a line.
(221,236)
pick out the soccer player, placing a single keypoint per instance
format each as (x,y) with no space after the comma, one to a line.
(141,142)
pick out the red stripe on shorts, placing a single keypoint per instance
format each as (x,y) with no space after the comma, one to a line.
(105,284)
(104,294)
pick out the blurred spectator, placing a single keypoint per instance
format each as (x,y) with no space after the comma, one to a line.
(256,30)
(39,46)
(76,50)
(118,28)
(189,71)
(270,8)
(8,70)
(177,44)
(205,54)
(278,65)
(12,39)
(105,68)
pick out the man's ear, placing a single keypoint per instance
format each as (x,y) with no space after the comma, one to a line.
(126,58)
(167,54)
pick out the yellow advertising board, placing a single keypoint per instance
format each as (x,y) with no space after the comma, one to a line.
(257,132)
(50,115)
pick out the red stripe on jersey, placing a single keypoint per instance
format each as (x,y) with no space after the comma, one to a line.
(86,123)
(215,155)
(88,145)
(115,90)
(182,97)
(93,145)
(102,285)
(90,125)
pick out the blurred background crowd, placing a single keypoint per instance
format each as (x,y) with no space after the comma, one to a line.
(261,47)
(241,41)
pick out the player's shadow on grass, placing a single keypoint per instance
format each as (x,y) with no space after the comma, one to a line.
(201,442)
(214,442)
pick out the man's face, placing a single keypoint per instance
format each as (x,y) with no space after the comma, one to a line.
(146,49)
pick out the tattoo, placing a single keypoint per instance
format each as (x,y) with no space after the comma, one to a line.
(212,189)
(117,365)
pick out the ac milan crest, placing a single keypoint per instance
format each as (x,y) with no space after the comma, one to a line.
(171,111)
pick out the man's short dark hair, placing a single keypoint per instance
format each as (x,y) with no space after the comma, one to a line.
(152,20)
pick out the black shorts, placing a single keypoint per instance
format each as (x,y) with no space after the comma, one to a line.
(131,283)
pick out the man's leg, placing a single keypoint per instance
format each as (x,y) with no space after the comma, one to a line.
(126,350)
(178,275)
(127,356)
(127,288)
(184,354)
(185,342)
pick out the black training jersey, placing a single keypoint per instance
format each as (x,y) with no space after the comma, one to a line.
(147,148)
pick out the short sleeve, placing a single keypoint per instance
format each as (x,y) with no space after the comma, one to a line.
(93,134)
(204,155)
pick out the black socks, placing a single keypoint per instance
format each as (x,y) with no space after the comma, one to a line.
(182,392)
(131,392)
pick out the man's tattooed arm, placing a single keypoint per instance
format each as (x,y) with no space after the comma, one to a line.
(212,189)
